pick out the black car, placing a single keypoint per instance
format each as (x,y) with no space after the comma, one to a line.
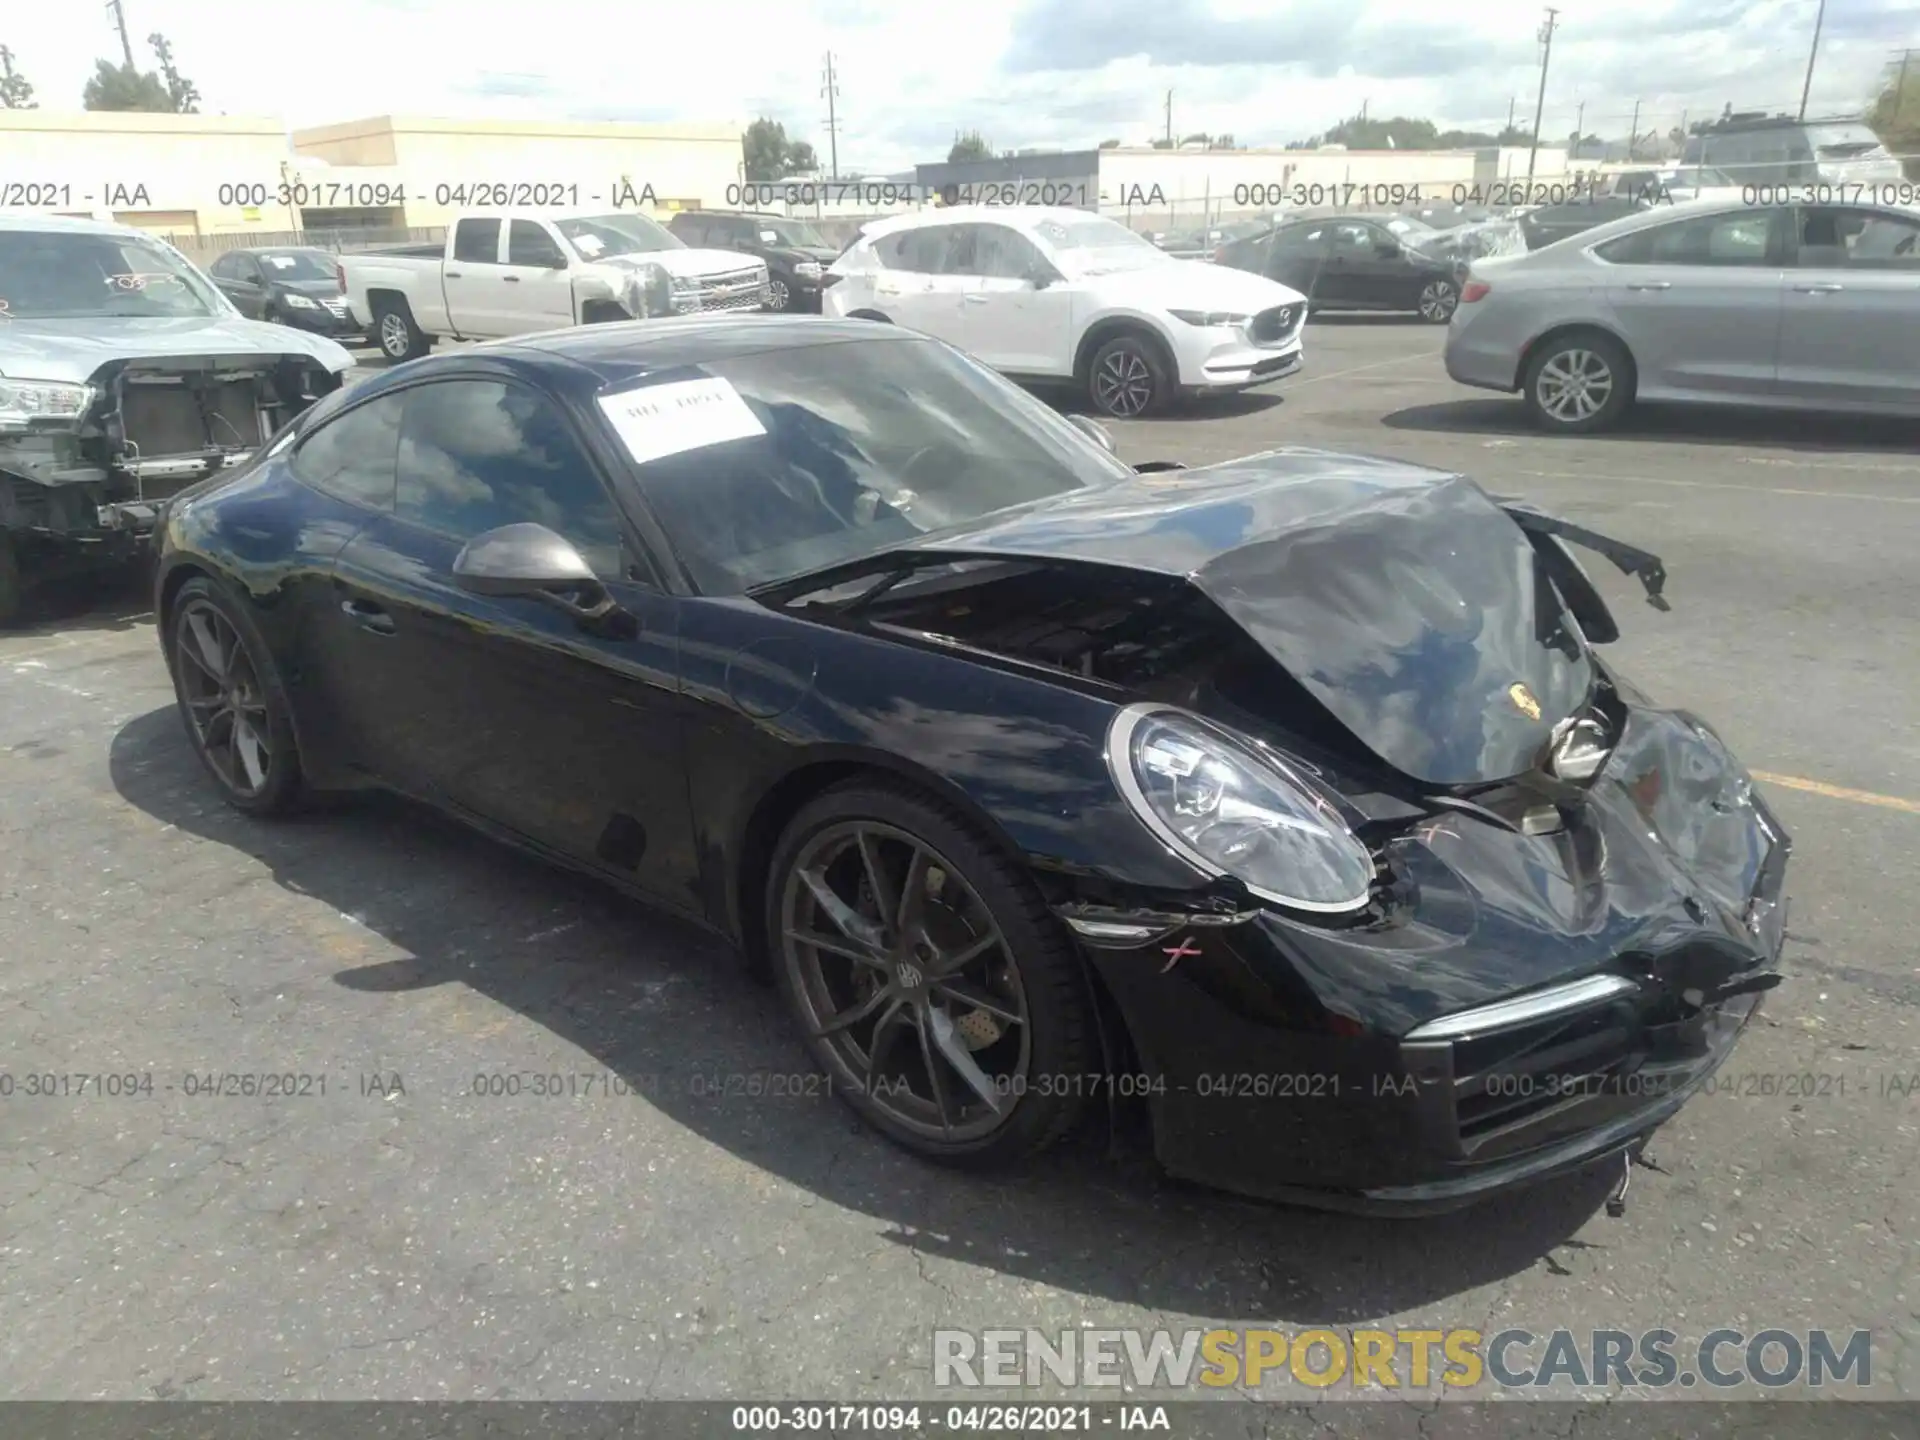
(797,255)
(1355,263)
(1546,224)
(1289,795)
(298,287)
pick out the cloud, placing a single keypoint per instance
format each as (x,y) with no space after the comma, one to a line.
(1065,73)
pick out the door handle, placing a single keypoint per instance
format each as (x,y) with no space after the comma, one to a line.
(1652,285)
(451,274)
(368,616)
(1824,287)
(511,279)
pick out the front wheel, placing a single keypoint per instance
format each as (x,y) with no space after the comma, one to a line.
(928,977)
(1578,384)
(779,297)
(1438,300)
(1128,378)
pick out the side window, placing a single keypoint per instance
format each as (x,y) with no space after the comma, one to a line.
(353,456)
(1743,238)
(477,242)
(1354,240)
(693,229)
(529,244)
(227,267)
(921,251)
(477,454)
(1003,253)
(1844,237)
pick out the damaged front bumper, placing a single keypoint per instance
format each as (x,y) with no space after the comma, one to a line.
(1529,1006)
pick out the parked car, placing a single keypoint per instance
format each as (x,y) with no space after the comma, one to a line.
(1055,294)
(1544,225)
(1811,307)
(297,286)
(1757,149)
(1669,184)
(512,272)
(124,375)
(1343,262)
(795,253)
(1027,777)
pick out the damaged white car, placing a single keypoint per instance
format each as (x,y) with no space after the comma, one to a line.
(124,377)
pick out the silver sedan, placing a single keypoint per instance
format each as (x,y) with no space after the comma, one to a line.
(1791,307)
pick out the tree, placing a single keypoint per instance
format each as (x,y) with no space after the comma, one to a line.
(969,146)
(1895,113)
(1514,135)
(1360,133)
(1198,138)
(15,92)
(1224,142)
(1109,144)
(183,95)
(121,87)
(770,155)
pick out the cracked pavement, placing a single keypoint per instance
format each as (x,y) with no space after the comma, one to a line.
(651,1236)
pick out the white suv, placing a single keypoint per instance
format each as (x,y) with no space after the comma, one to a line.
(1056,294)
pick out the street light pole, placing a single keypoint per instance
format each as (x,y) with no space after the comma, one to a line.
(1818,20)
(1540,104)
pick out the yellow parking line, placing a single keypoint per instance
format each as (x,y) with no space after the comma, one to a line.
(1840,792)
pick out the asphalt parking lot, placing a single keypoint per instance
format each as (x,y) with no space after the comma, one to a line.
(401,1235)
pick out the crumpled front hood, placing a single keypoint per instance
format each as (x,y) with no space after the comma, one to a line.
(1405,600)
(686,264)
(71,350)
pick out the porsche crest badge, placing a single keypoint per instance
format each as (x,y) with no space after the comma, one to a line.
(1523,700)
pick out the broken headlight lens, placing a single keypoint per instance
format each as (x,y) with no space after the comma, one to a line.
(1228,809)
(23,401)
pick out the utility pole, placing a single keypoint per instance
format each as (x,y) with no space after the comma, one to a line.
(1806,89)
(1539,106)
(120,23)
(1512,100)
(1169,119)
(1900,85)
(832,92)
(1633,132)
(1580,122)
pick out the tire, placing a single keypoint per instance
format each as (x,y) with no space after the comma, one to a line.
(1127,378)
(395,333)
(974,896)
(779,294)
(13,586)
(1554,403)
(1437,301)
(204,622)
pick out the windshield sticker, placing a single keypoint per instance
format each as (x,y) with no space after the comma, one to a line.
(662,420)
(140,281)
(589,245)
(280,262)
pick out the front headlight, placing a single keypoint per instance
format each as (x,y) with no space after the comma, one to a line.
(1228,809)
(808,269)
(24,401)
(299,302)
(1210,319)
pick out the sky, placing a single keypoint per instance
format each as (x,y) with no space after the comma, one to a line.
(1047,73)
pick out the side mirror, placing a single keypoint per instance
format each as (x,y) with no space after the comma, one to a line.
(1040,276)
(530,560)
(1093,430)
(557,262)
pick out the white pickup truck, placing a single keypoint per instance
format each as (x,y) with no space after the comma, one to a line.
(514,272)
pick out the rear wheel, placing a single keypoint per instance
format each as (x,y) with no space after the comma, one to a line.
(1128,378)
(1578,383)
(398,337)
(232,701)
(928,977)
(1438,300)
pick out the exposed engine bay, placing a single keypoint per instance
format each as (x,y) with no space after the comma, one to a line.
(152,427)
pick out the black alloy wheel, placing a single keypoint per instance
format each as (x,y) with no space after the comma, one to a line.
(778,296)
(1127,378)
(928,977)
(1438,300)
(232,701)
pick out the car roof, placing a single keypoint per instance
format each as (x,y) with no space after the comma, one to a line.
(974,215)
(271,250)
(588,359)
(70,224)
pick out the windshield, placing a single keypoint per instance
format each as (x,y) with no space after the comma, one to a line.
(1843,142)
(298,265)
(1700,177)
(791,232)
(63,275)
(1407,227)
(598,237)
(808,457)
(1095,245)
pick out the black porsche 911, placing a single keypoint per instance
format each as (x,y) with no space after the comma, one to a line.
(1289,794)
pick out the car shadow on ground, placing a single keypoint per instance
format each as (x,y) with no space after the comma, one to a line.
(1231,406)
(1098,1220)
(120,598)
(1680,424)
(1363,319)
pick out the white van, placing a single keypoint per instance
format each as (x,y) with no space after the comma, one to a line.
(1779,150)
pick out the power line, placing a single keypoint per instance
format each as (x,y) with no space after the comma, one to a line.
(832,91)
